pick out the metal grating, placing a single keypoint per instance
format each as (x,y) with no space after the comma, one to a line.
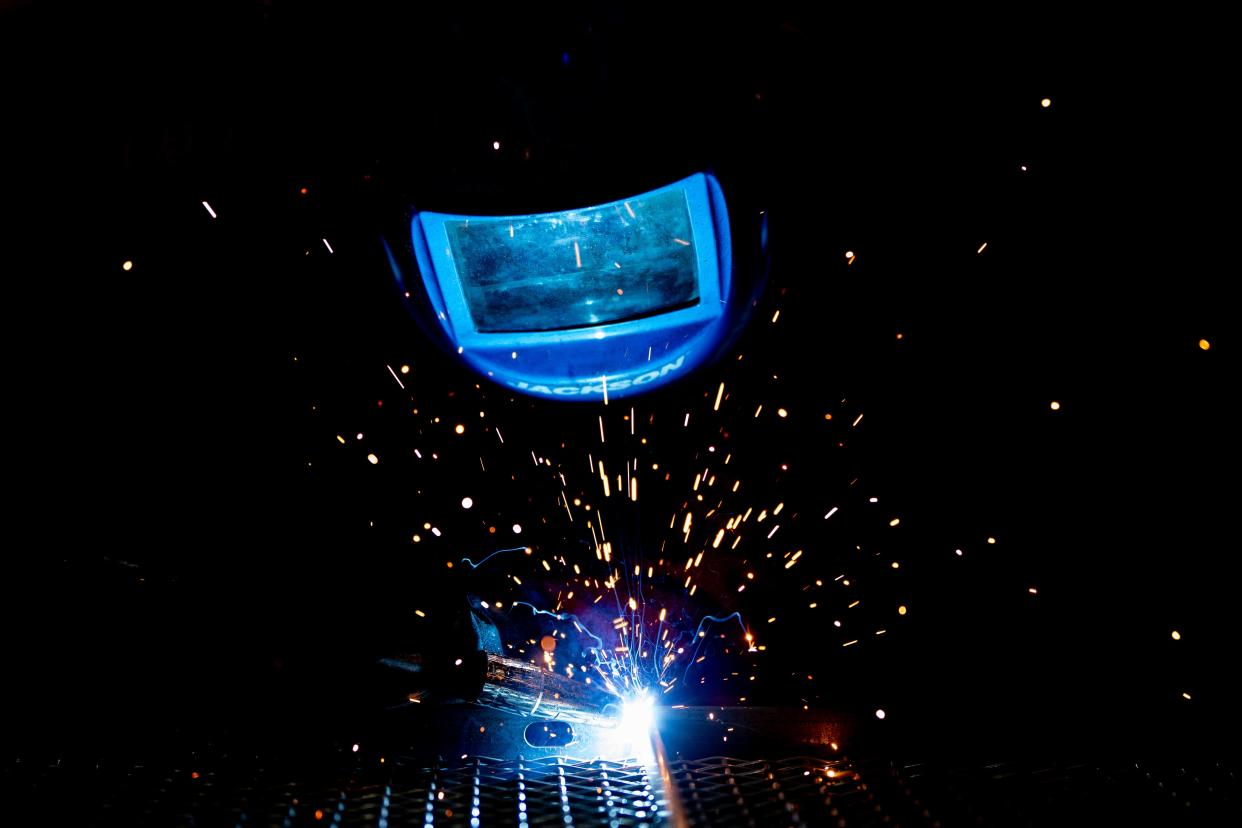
(557,791)
(798,791)
(547,791)
(802,791)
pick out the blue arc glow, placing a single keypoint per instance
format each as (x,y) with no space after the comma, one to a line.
(636,728)
(638,717)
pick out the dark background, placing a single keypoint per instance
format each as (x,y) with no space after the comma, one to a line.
(192,552)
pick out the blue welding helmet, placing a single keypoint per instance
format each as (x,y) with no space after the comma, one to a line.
(588,302)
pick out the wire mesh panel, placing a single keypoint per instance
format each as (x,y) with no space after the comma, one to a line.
(560,791)
(798,791)
(723,792)
(546,791)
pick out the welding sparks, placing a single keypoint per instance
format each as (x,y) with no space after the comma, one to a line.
(404,369)
(618,611)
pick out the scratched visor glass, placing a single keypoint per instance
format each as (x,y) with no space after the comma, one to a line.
(576,269)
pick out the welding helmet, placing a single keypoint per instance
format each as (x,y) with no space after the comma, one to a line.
(603,275)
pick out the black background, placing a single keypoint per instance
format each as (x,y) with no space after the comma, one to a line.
(191,551)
